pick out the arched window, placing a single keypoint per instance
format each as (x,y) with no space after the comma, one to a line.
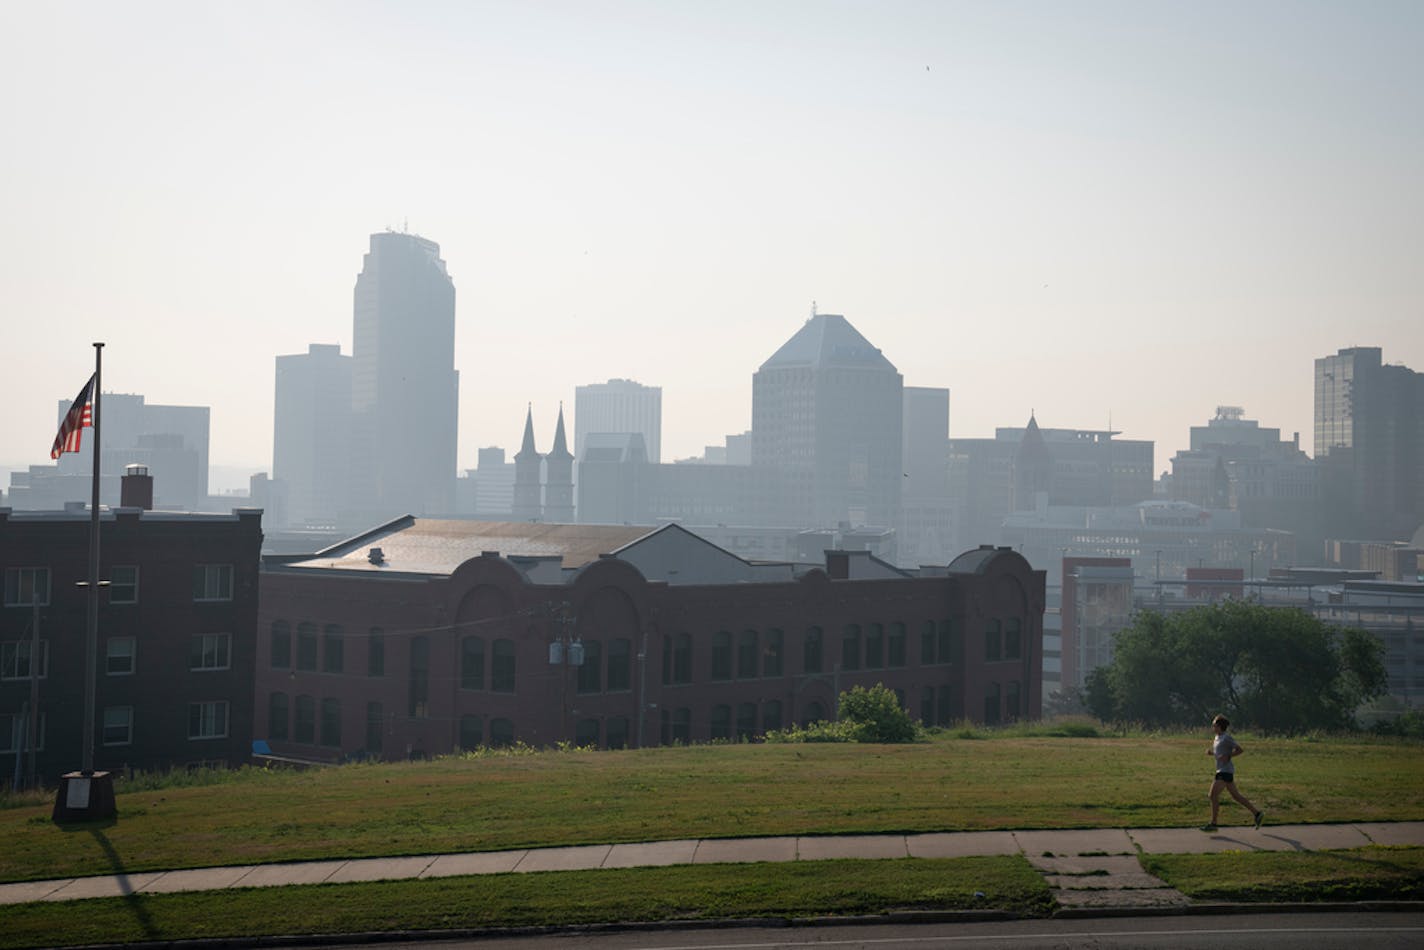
(850,647)
(590,674)
(771,715)
(895,646)
(721,722)
(927,696)
(620,656)
(472,663)
(991,704)
(376,652)
(306,647)
(333,649)
(874,647)
(811,651)
(949,645)
(947,710)
(277,716)
(1013,639)
(682,659)
(927,643)
(682,725)
(419,685)
(665,725)
(747,655)
(375,727)
(667,667)
(331,721)
(472,732)
(304,729)
(746,721)
(586,733)
(501,731)
(617,732)
(281,645)
(993,649)
(501,670)
(1011,701)
(815,712)
(721,655)
(771,658)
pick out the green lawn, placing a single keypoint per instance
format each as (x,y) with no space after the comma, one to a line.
(1357,874)
(496,802)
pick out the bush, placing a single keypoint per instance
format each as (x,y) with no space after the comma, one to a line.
(875,715)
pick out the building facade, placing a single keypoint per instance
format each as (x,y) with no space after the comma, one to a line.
(619,406)
(426,637)
(311,434)
(175,661)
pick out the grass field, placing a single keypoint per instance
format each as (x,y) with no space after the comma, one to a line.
(1357,874)
(496,802)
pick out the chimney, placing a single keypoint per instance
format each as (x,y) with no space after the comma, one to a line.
(136,488)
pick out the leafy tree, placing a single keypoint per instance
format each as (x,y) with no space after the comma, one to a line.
(876,715)
(1274,669)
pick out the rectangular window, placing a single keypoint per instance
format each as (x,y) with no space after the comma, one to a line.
(1013,638)
(772,660)
(212,582)
(333,651)
(277,716)
(304,728)
(376,653)
(281,645)
(15,659)
(119,656)
(306,647)
(375,726)
(118,725)
(209,651)
(13,739)
(992,648)
(24,586)
(207,720)
(123,584)
(331,722)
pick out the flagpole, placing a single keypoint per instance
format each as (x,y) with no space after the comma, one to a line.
(91,625)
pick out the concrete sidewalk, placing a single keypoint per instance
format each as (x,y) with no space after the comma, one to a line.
(1091,856)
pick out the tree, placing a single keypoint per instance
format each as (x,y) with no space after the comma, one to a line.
(1272,668)
(876,715)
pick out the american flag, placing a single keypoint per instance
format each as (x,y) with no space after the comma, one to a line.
(80,414)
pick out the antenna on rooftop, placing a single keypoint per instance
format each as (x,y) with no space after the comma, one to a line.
(813,308)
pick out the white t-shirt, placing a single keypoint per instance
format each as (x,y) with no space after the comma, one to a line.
(1221,748)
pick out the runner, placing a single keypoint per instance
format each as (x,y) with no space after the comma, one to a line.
(1224,748)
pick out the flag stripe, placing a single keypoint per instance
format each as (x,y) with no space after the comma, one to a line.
(80,415)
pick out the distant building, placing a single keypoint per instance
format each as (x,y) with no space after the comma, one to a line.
(311,444)
(1097,603)
(1369,442)
(176,637)
(619,405)
(424,637)
(926,528)
(404,387)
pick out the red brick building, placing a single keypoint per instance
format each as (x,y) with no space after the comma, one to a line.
(177,622)
(423,637)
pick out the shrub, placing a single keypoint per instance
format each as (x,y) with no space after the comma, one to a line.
(875,715)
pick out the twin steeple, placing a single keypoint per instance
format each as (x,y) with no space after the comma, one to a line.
(544,484)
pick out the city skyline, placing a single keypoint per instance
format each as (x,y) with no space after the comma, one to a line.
(1100,214)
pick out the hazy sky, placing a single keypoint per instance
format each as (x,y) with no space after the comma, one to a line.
(1132,210)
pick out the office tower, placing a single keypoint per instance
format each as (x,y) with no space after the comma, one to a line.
(1369,440)
(619,405)
(311,434)
(826,415)
(404,387)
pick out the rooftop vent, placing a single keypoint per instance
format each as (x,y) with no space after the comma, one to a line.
(376,556)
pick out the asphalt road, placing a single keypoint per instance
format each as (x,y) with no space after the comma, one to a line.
(1294,931)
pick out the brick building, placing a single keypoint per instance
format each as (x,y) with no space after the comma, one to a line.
(423,637)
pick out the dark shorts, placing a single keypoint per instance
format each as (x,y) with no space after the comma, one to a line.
(1226,776)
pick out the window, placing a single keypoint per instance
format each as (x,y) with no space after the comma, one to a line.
(281,642)
(209,651)
(747,655)
(682,659)
(620,655)
(992,647)
(927,697)
(874,647)
(850,647)
(815,712)
(502,671)
(617,733)
(207,720)
(1011,701)
(1013,638)
(12,733)
(304,729)
(376,652)
(26,586)
(811,651)
(472,663)
(746,720)
(212,582)
(721,723)
(682,725)
(895,646)
(333,649)
(948,709)
(118,725)
(418,692)
(123,584)
(119,656)
(375,727)
(948,642)
(927,643)
(590,674)
(331,721)
(771,663)
(472,732)
(771,715)
(667,672)
(665,726)
(277,716)
(501,731)
(991,704)
(15,659)
(721,655)
(306,647)
(586,733)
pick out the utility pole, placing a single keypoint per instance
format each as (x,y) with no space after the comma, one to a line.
(32,726)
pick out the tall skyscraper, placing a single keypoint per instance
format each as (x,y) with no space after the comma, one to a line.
(404,387)
(827,411)
(311,434)
(619,405)
(1369,440)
